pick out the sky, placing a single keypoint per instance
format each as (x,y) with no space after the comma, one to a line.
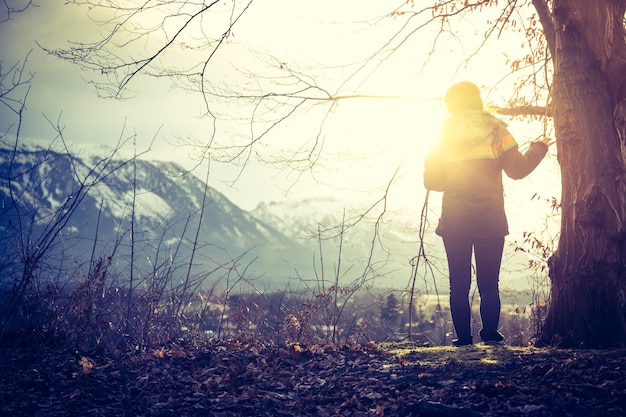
(365,140)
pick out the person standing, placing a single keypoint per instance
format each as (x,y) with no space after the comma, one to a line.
(466,165)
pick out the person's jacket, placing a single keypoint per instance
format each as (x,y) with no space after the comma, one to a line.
(467,164)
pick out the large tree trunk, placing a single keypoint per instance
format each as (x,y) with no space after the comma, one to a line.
(588,270)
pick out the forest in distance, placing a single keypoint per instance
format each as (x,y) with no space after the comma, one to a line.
(368,316)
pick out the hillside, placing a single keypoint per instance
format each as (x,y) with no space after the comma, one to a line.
(391,242)
(240,379)
(149,213)
(91,206)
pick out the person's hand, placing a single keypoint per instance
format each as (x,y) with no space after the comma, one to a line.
(546,141)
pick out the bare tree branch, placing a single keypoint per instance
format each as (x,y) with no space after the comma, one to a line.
(524,111)
(8,9)
(547,21)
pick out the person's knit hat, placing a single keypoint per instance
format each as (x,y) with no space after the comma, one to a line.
(463,96)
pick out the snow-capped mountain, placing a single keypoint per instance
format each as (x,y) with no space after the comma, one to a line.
(71,210)
(65,207)
(396,241)
(387,242)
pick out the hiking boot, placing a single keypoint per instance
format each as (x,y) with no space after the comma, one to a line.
(462,342)
(491,336)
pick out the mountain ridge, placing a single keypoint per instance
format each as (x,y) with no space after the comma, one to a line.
(120,198)
(276,241)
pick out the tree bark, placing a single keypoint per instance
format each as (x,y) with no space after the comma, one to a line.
(588,270)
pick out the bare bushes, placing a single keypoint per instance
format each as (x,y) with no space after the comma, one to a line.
(55,286)
(148,287)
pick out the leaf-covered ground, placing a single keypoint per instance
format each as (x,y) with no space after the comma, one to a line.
(239,379)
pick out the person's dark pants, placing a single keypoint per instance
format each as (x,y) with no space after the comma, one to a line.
(488,256)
